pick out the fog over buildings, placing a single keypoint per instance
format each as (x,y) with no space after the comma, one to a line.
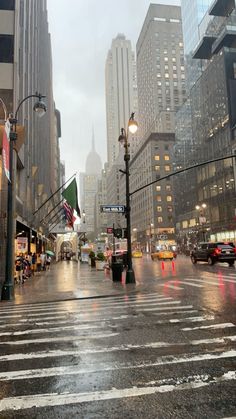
(81,35)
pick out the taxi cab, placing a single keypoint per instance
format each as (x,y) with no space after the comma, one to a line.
(137,254)
(162,254)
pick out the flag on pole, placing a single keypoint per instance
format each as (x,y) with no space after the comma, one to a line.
(71,196)
(6,149)
(69,214)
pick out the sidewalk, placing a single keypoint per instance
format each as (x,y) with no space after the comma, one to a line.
(69,280)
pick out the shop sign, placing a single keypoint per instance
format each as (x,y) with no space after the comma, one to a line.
(22,244)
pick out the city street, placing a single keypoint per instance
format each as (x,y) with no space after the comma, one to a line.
(75,344)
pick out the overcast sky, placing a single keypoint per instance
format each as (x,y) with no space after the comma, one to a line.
(81,34)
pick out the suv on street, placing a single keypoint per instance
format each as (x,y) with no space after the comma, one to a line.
(214,252)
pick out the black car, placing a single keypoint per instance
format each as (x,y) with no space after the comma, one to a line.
(214,252)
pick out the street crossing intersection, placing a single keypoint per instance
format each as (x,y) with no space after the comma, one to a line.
(218,279)
(116,356)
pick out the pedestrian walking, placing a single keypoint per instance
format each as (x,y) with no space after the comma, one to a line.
(43,261)
(48,262)
(33,263)
(19,270)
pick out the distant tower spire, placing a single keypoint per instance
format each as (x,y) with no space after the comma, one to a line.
(93,140)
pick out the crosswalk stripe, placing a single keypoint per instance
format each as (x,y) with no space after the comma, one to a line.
(45,400)
(204,281)
(77,370)
(85,301)
(121,348)
(92,310)
(108,319)
(107,304)
(213,326)
(58,339)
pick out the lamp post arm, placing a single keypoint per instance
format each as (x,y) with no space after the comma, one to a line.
(38,95)
(4,108)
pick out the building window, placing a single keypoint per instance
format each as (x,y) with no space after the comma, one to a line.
(157,157)
(169,198)
(158,198)
(166,147)
(7,4)
(234,66)
(174,59)
(170,208)
(168,187)
(6,48)
(165,58)
(158,188)
(167,157)
(167,75)
(167,168)
(159,209)
(157,167)
(159,219)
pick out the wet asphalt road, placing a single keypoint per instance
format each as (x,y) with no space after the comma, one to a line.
(163,348)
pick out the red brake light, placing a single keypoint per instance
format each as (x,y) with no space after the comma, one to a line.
(217,251)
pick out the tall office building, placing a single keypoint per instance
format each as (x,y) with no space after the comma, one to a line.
(192,14)
(160,69)
(89,187)
(212,120)
(121,92)
(161,92)
(26,67)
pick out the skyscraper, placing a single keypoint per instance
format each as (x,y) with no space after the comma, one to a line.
(26,67)
(160,69)
(192,14)
(121,91)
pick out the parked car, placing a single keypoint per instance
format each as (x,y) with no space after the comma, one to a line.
(214,252)
(162,254)
(137,254)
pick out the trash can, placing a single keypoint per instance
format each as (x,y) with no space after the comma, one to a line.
(117,269)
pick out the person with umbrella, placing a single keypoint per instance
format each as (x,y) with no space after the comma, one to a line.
(49,253)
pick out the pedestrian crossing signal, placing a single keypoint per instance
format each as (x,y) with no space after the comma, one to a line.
(117,233)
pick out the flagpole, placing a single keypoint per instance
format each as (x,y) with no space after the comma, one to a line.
(50,197)
(51,210)
(54,216)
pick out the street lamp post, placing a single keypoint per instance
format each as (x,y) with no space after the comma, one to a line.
(123,139)
(8,286)
(202,218)
(150,238)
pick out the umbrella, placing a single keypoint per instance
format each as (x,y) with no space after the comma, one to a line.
(50,253)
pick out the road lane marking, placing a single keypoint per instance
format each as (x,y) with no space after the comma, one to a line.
(107,304)
(166,308)
(58,339)
(92,310)
(76,370)
(104,320)
(63,399)
(213,326)
(121,348)
(174,287)
(84,302)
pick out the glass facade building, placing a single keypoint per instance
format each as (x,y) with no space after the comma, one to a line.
(192,14)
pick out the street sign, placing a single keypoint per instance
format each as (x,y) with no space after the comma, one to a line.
(112,208)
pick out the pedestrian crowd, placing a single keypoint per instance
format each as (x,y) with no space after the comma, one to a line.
(28,265)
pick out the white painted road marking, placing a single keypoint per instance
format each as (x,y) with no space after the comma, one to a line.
(77,370)
(55,399)
(77,352)
(213,326)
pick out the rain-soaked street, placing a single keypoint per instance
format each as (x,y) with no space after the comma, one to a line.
(75,344)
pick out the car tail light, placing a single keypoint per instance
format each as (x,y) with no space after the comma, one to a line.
(217,252)
(235,250)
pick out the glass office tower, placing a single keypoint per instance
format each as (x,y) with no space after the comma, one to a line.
(192,13)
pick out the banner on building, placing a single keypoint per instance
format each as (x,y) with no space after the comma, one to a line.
(6,149)
(22,245)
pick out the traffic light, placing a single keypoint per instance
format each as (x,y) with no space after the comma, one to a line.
(117,232)
(124,233)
